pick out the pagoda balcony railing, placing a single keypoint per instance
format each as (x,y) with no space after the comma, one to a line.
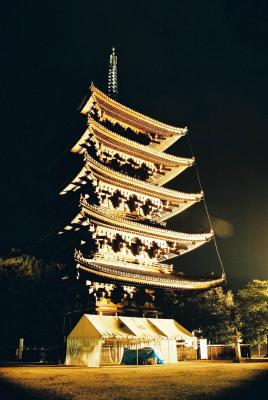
(90,263)
(186,283)
(147,264)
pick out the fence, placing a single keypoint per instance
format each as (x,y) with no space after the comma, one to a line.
(227,351)
(56,354)
(46,354)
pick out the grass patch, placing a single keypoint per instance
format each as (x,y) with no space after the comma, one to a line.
(185,381)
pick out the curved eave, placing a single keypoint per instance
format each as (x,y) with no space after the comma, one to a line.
(172,165)
(77,182)
(178,201)
(145,279)
(77,222)
(163,144)
(127,182)
(180,246)
(127,117)
(100,214)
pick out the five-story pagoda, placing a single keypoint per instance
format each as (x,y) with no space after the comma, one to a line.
(123,203)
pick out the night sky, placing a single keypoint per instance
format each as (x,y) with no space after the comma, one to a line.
(201,64)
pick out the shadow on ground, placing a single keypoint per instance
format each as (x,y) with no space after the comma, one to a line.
(245,391)
(12,391)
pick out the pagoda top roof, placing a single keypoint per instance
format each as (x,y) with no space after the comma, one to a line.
(128,118)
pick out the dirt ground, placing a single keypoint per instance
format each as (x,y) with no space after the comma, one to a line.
(186,381)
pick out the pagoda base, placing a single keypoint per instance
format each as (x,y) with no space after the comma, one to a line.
(115,299)
(107,307)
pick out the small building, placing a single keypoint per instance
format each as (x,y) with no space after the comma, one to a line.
(99,340)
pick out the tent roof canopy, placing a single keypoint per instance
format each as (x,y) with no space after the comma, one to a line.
(170,328)
(122,328)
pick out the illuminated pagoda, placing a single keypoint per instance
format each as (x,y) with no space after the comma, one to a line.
(123,203)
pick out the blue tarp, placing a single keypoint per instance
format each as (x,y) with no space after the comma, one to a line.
(144,354)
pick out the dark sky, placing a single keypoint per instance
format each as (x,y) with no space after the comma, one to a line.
(203,64)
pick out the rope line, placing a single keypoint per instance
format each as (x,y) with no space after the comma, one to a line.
(206,209)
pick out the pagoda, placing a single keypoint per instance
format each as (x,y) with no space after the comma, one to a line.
(124,205)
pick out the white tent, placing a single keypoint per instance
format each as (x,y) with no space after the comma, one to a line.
(98,339)
(172,329)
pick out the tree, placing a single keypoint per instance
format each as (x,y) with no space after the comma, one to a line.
(252,311)
(31,299)
(210,312)
(18,265)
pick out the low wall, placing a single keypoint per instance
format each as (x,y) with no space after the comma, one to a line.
(227,351)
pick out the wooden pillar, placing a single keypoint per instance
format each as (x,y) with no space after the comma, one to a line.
(20,349)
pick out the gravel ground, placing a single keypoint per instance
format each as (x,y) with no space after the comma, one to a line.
(186,381)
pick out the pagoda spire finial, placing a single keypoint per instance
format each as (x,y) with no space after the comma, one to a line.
(112,76)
